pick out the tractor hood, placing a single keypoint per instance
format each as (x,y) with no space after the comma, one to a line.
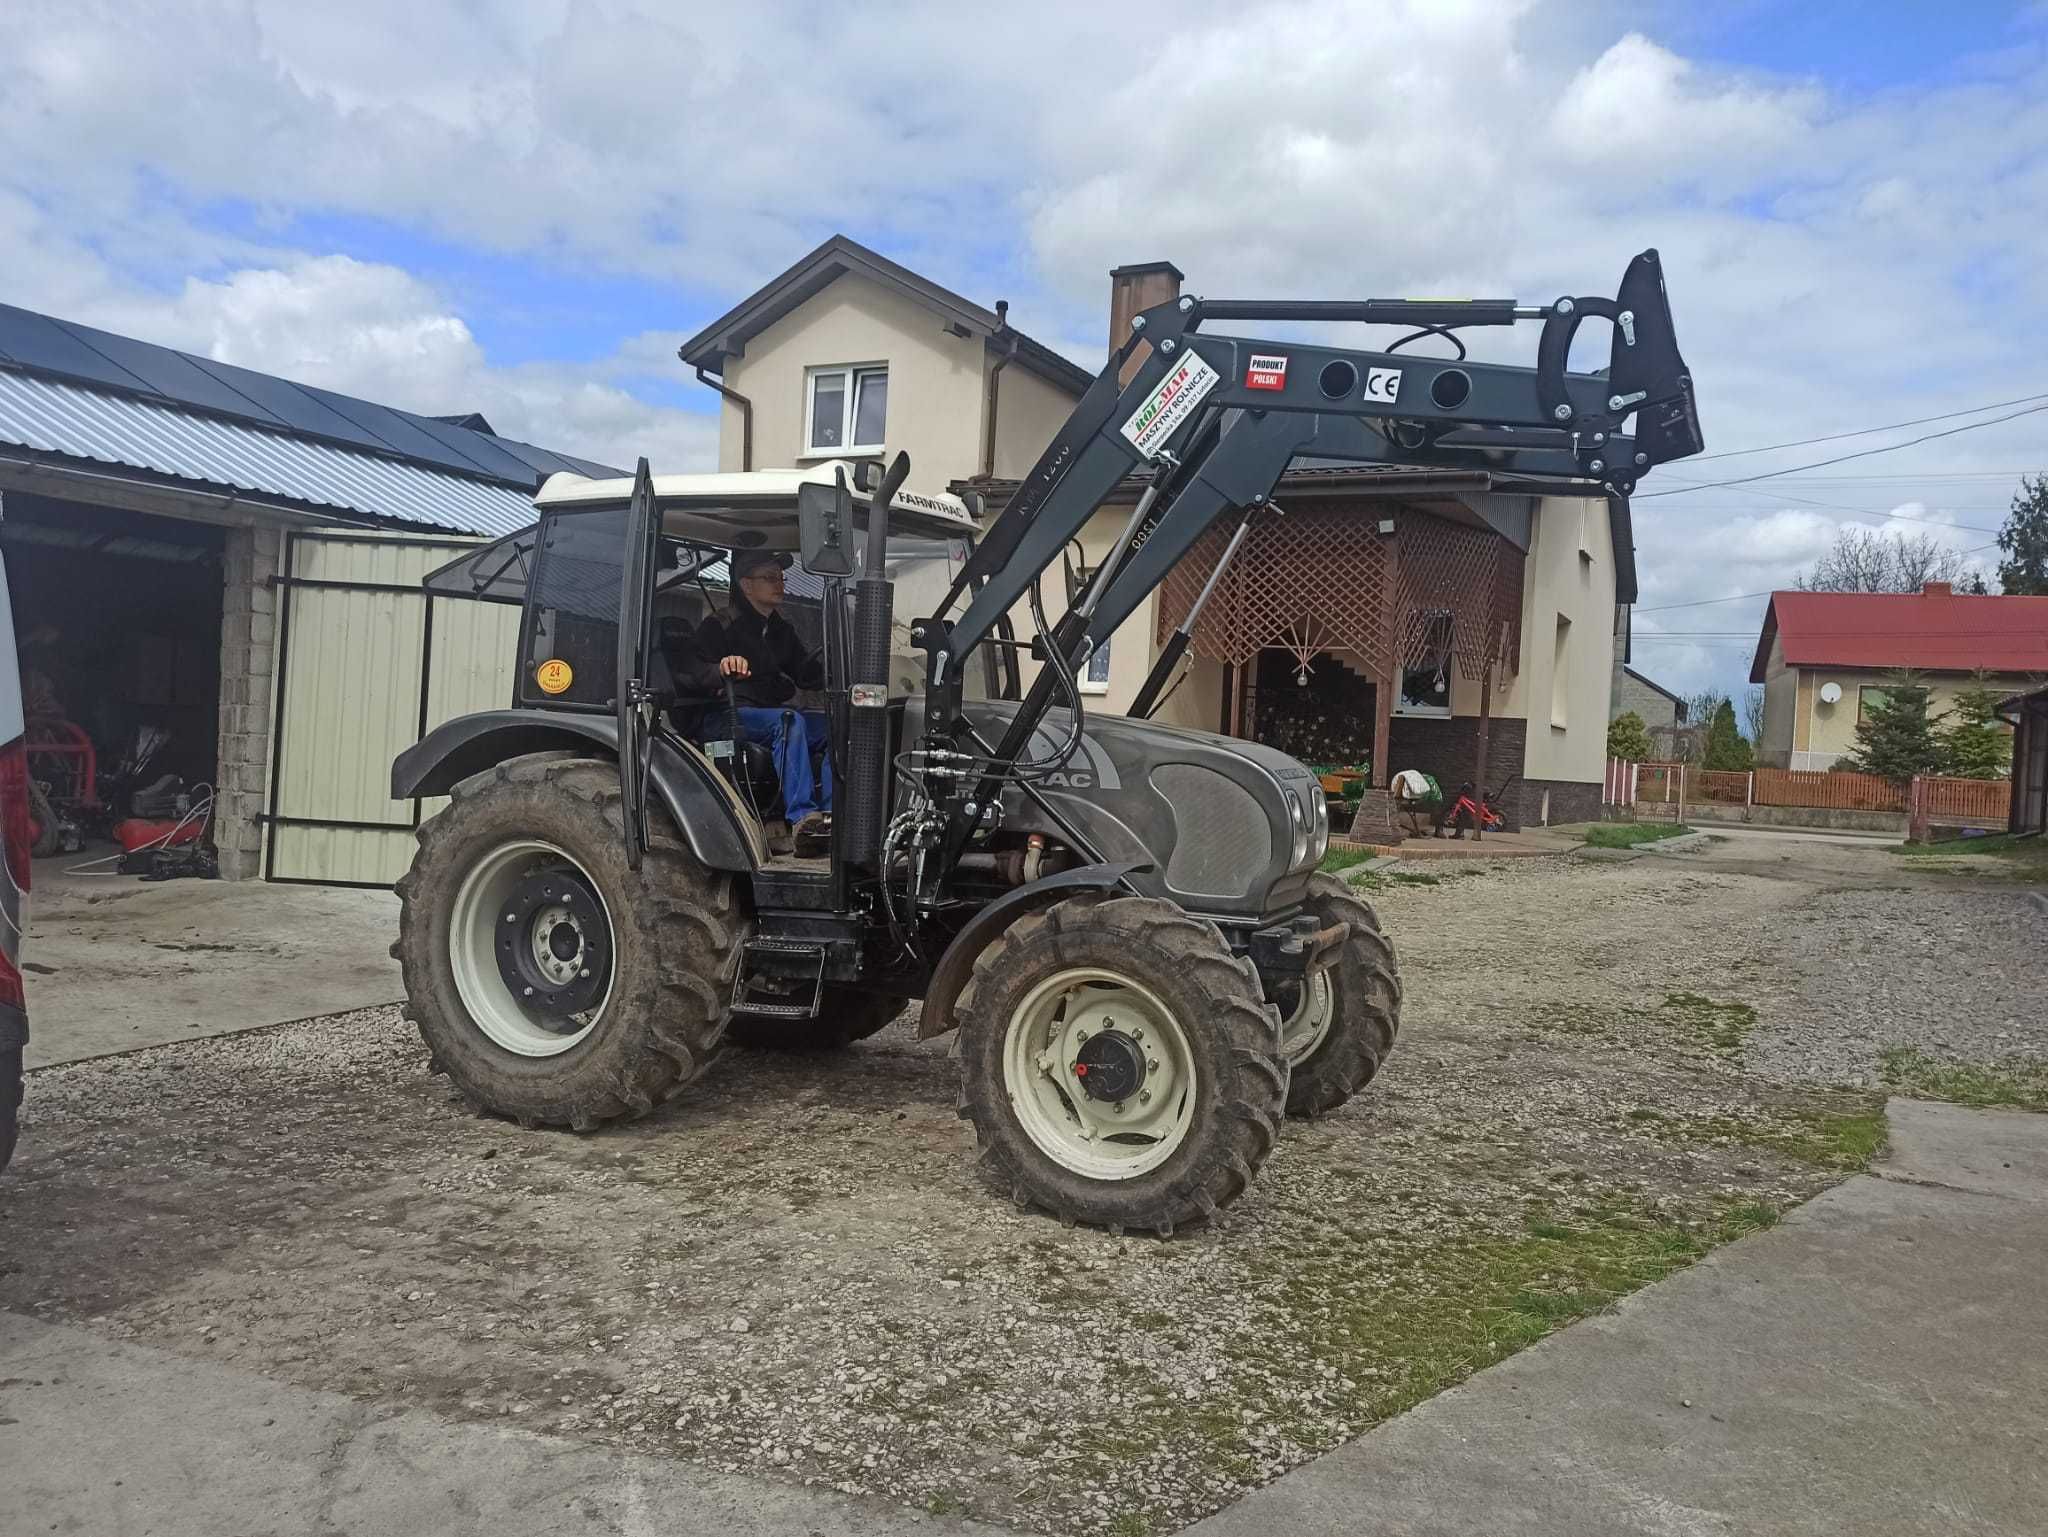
(1232,829)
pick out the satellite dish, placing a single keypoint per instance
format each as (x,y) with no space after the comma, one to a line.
(1831,693)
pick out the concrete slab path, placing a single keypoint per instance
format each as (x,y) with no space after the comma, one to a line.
(1877,1364)
(114,963)
(120,1440)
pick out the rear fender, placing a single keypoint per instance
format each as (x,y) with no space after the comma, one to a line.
(950,976)
(701,804)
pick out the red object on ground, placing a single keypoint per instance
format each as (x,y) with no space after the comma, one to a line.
(63,746)
(140,832)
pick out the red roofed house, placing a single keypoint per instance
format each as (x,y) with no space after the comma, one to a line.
(1823,655)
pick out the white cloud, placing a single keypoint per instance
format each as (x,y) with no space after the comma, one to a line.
(1835,259)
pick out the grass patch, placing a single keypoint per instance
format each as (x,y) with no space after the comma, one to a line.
(1845,1132)
(1343,859)
(2021,857)
(2018,1084)
(1465,1305)
(1626,835)
(1721,1027)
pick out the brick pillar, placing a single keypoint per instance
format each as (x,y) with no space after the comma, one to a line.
(248,662)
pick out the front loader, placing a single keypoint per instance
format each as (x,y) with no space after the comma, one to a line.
(1123,920)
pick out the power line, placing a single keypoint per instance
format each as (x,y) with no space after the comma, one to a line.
(1864,432)
(1862,453)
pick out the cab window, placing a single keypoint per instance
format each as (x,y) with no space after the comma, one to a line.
(571,645)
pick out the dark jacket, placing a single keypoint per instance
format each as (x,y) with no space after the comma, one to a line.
(773,649)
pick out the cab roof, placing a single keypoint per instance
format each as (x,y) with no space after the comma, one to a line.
(757,506)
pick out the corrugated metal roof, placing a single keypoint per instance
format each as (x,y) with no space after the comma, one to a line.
(49,417)
(71,353)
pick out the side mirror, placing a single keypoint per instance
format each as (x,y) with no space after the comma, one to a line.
(824,524)
(867,474)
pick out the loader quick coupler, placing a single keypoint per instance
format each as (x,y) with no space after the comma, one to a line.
(554,945)
(1110,1066)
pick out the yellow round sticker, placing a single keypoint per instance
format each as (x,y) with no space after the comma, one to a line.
(554,676)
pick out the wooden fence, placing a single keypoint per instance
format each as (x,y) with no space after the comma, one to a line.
(1831,791)
(1929,798)
(1965,800)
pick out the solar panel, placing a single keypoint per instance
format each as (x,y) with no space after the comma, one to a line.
(44,344)
(173,375)
(36,341)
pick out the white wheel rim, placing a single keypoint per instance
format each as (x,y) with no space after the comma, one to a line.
(1309,1025)
(504,1017)
(1088,1136)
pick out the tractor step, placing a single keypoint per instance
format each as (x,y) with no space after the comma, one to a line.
(797,963)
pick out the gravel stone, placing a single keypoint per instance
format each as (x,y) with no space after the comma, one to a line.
(744,1277)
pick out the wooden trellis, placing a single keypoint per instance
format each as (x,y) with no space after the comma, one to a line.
(1324,578)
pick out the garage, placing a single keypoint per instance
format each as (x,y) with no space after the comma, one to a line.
(215,577)
(118,619)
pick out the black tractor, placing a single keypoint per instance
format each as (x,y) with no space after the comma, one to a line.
(1124,920)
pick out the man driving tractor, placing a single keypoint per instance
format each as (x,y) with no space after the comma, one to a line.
(760,652)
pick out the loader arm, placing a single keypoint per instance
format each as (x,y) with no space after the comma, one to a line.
(1213,421)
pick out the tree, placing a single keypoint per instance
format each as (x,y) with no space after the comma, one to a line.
(1700,707)
(1979,744)
(1628,737)
(1865,560)
(1753,714)
(1895,738)
(1726,750)
(2024,541)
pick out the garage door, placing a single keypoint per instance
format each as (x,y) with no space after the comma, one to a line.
(370,663)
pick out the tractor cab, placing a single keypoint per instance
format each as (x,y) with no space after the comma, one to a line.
(575,574)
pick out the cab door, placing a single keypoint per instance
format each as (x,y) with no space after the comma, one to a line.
(634,703)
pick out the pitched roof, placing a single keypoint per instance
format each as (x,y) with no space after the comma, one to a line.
(1933,630)
(69,391)
(1656,687)
(727,336)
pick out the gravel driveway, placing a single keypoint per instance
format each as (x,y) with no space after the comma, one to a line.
(793,1269)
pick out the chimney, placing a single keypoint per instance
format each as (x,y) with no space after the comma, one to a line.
(1134,288)
(1937,589)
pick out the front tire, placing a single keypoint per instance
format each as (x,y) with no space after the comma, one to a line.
(1189,1077)
(1343,1021)
(520,904)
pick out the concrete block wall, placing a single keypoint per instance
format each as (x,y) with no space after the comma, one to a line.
(248,666)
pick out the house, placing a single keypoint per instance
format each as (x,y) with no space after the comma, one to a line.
(2029,716)
(1823,657)
(1454,622)
(1654,704)
(233,560)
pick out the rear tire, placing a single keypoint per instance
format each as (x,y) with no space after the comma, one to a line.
(1350,1010)
(672,930)
(45,836)
(845,1015)
(1186,1018)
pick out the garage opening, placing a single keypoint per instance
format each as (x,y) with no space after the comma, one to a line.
(118,619)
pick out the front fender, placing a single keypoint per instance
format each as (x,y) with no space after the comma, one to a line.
(950,976)
(698,801)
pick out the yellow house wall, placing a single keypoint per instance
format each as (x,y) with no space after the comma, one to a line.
(1831,728)
(935,381)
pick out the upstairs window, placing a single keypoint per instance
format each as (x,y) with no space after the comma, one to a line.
(846,409)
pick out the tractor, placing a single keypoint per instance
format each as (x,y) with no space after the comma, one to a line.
(1122,920)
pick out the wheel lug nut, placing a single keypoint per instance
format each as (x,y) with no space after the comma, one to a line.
(1117,1108)
(1144,1096)
(1152,1064)
(529,992)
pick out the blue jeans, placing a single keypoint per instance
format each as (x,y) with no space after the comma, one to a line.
(802,791)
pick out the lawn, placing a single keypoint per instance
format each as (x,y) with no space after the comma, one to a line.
(1626,835)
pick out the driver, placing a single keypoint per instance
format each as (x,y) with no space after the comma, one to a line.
(764,657)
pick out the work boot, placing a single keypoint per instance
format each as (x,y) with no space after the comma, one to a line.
(779,839)
(813,835)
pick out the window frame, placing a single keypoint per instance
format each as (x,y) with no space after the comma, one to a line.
(851,375)
(1442,711)
(1561,674)
(1864,691)
(1088,684)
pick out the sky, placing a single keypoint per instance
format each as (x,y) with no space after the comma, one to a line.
(521,207)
